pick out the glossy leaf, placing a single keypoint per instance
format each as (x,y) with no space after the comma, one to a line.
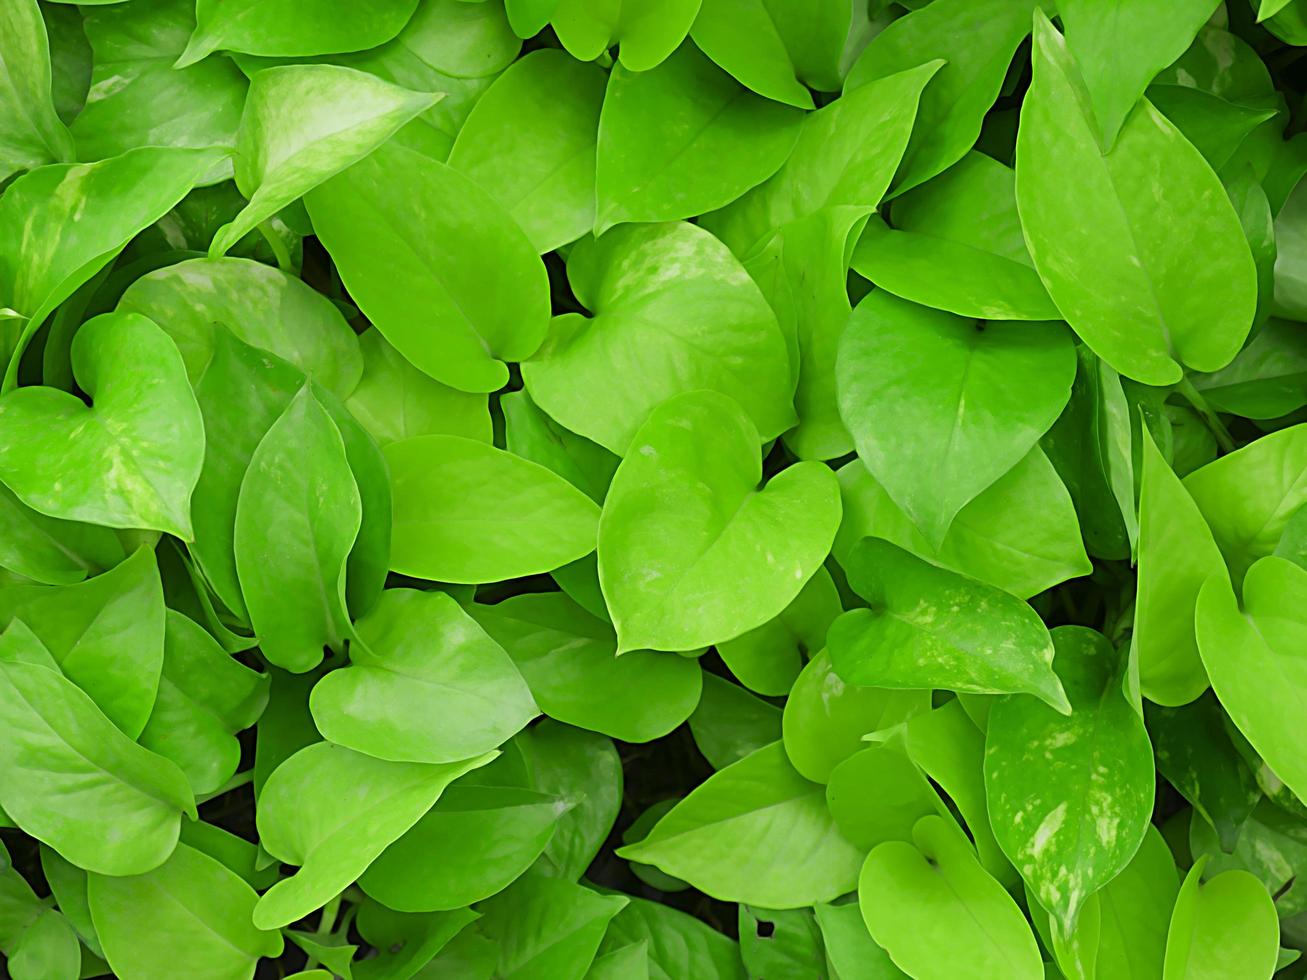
(332,811)
(602,375)
(755,832)
(424,684)
(286,27)
(928,627)
(129,460)
(1138,300)
(479,288)
(684,516)
(31,133)
(947,386)
(1220,928)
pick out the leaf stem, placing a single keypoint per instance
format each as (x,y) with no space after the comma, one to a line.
(1195,398)
(278,248)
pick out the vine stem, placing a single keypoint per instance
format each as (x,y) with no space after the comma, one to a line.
(1195,398)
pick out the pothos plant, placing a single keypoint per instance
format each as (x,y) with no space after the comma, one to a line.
(694,489)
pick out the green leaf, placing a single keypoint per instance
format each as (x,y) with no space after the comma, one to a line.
(418,938)
(678,945)
(648,32)
(395,401)
(583,771)
(967,400)
(547,928)
(30,131)
(533,435)
(976,39)
(401,700)
(1070,797)
(1195,754)
(450,493)
(1019,533)
(568,658)
(928,627)
(332,811)
(138,99)
(754,832)
(826,719)
(1223,927)
(51,551)
(62,224)
(1252,656)
(1120,47)
(939,914)
(682,139)
(292,27)
(47,949)
(1267,379)
(478,291)
(205,698)
(542,112)
(70,771)
(1269,845)
(778,943)
(261,306)
(688,552)
(1176,556)
(776,47)
(730,723)
(199,920)
(850,950)
(476,840)
(1150,260)
(296,518)
(878,794)
(129,460)
(1248,497)
(768,659)
(602,375)
(304,124)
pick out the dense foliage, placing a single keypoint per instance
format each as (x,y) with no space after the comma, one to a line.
(676,490)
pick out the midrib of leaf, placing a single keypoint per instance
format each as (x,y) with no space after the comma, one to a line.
(176,900)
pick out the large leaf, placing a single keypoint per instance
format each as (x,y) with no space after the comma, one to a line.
(940,407)
(138,99)
(477,293)
(776,47)
(682,139)
(568,658)
(30,131)
(1154,275)
(332,811)
(303,124)
(129,460)
(69,771)
(260,305)
(601,375)
(1070,796)
(1121,46)
(689,548)
(450,497)
(543,112)
(1248,497)
(293,27)
(60,225)
(1254,658)
(1020,533)
(199,913)
(1223,927)
(648,32)
(106,634)
(939,913)
(976,39)
(677,945)
(1176,556)
(205,698)
(424,684)
(296,519)
(928,627)
(755,832)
